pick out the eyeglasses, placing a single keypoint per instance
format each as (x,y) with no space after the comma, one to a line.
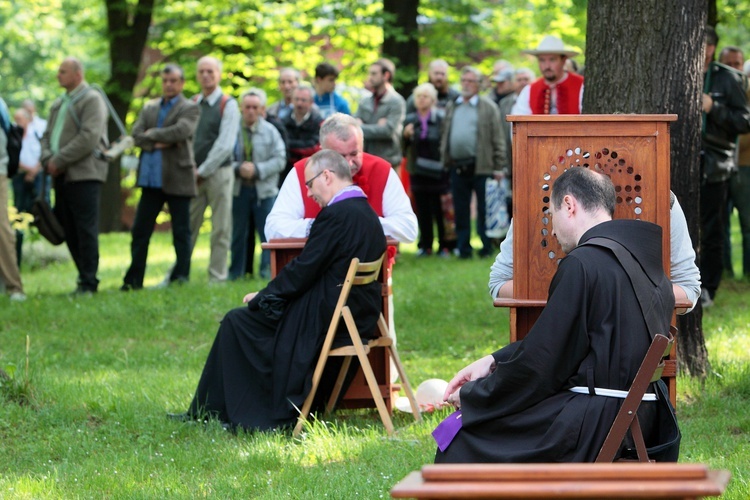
(310,182)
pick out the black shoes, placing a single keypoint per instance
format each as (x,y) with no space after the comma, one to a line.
(179,417)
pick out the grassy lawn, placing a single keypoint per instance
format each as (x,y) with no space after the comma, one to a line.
(103,370)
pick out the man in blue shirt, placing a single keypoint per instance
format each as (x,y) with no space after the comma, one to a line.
(326,98)
(166,174)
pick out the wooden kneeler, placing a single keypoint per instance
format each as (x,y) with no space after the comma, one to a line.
(358,274)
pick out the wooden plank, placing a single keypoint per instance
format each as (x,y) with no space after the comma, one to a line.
(562,471)
(584,481)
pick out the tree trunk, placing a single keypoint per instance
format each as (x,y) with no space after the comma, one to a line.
(127,38)
(401,42)
(647,58)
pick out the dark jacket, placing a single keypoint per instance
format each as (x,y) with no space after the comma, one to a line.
(729,117)
(177,162)
(303,139)
(425,148)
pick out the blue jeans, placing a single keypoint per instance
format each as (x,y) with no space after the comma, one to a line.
(245,206)
(462,188)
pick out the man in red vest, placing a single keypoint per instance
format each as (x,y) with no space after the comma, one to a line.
(293,212)
(557,92)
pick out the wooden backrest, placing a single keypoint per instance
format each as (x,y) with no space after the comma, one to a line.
(633,150)
(650,371)
(359,273)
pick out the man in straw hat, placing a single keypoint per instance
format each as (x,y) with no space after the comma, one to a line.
(557,92)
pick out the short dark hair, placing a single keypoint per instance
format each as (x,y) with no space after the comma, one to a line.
(592,190)
(325,69)
(710,36)
(386,65)
(730,49)
(173,68)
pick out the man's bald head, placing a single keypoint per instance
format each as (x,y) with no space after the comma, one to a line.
(70,73)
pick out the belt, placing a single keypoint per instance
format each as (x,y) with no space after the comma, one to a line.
(610,393)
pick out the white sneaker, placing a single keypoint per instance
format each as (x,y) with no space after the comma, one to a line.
(17,297)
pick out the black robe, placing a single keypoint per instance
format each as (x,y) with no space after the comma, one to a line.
(259,369)
(591,333)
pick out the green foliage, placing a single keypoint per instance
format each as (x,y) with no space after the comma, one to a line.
(38,35)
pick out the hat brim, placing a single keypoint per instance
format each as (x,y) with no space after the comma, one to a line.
(567,53)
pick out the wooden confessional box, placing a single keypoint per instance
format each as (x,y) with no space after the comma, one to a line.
(633,150)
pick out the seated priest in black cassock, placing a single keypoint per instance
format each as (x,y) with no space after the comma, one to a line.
(540,399)
(260,367)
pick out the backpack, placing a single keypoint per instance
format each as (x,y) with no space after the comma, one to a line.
(14,134)
(15,139)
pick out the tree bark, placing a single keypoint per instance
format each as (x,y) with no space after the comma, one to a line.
(401,42)
(128,31)
(647,58)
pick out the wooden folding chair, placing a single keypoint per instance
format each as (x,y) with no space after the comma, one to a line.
(359,274)
(650,371)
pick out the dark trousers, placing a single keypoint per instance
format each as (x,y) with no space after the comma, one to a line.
(713,222)
(429,213)
(462,188)
(151,203)
(246,207)
(739,194)
(24,193)
(77,206)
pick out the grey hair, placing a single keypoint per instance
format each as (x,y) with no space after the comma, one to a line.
(173,68)
(259,93)
(212,60)
(438,62)
(289,69)
(327,159)
(474,71)
(525,71)
(306,87)
(340,125)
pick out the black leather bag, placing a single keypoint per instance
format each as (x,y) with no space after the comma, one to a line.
(45,219)
(428,168)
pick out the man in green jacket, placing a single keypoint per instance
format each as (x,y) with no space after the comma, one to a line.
(71,153)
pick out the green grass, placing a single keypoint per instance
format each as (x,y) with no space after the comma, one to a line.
(103,371)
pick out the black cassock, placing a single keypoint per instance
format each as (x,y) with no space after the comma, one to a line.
(592,333)
(260,366)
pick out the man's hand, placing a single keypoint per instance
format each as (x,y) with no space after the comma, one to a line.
(30,173)
(478,369)
(707,103)
(250,296)
(409,131)
(247,170)
(52,168)
(382,122)
(161,145)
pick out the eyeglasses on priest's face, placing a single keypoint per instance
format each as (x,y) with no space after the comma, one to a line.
(309,183)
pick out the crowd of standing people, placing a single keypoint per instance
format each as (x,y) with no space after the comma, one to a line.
(235,155)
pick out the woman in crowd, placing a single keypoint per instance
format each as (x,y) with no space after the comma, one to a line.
(428,178)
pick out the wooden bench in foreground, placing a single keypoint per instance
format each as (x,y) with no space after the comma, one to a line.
(571,481)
